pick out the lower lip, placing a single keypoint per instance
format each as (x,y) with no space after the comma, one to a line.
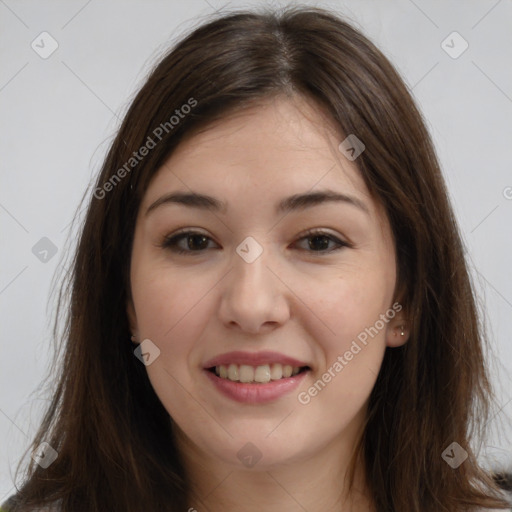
(256,393)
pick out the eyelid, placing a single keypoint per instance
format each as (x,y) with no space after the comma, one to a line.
(322,232)
(340,241)
(169,242)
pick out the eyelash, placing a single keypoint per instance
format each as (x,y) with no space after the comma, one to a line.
(171,242)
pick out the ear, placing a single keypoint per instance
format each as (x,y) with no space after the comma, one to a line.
(132,320)
(398,331)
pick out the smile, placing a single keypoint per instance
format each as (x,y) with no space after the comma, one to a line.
(254,392)
(256,374)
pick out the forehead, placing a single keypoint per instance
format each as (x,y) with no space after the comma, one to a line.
(279,146)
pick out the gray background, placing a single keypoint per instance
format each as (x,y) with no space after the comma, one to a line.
(60,113)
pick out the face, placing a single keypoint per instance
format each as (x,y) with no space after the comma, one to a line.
(237,291)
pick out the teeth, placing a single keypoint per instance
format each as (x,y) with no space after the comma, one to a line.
(276,372)
(264,373)
(233,372)
(246,373)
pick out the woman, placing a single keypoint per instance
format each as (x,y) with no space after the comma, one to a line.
(267,373)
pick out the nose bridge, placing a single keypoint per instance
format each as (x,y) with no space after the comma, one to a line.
(253,294)
(250,266)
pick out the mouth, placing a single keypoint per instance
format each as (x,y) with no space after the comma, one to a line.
(255,377)
(261,374)
(258,385)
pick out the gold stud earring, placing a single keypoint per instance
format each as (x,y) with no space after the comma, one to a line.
(402,332)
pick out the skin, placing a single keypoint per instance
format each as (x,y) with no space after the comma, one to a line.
(293,299)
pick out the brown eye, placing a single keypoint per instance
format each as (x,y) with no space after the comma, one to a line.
(186,242)
(318,242)
(195,243)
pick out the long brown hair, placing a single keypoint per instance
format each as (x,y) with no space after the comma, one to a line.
(112,434)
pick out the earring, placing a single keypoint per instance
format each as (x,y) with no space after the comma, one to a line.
(402,333)
(134,339)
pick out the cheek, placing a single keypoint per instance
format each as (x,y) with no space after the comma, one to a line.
(173,308)
(172,311)
(346,305)
(352,346)
(166,298)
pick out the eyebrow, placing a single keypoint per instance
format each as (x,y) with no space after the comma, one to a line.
(295,202)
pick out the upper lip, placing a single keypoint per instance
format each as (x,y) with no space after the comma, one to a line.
(253,359)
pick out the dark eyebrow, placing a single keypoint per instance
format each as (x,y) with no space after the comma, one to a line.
(192,200)
(292,203)
(303,201)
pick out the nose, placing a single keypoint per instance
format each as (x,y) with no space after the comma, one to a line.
(254,297)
